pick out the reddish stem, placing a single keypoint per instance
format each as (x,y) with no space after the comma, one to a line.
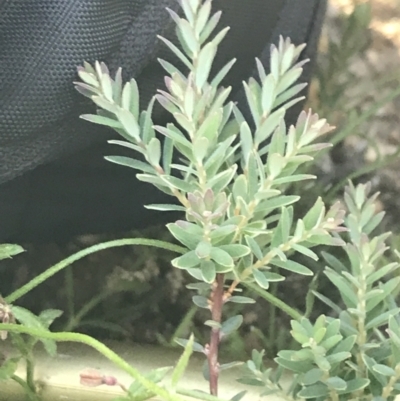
(217,301)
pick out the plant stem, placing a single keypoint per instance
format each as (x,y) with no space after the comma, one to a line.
(217,299)
(85,252)
(76,319)
(28,391)
(101,348)
(362,314)
(70,292)
(30,372)
(388,389)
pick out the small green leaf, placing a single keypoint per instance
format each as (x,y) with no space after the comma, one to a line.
(278,141)
(260,278)
(146,122)
(177,52)
(293,178)
(273,277)
(182,364)
(305,251)
(204,63)
(231,325)
(9,250)
(348,294)
(381,272)
(196,346)
(203,249)
(317,390)
(200,287)
(201,301)
(238,299)
(48,316)
(282,230)
(136,389)
(129,123)
(333,262)
(174,134)
(303,327)
(213,324)
(222,180)
(101,120)
(188,35)
(134,99)
(293,267)
(236,250)
(294,366)
(210,26)
(230,365)
(177,183)
(107,87)
(269,205)
(272,123)
(210,127)
(254,247)
(276,163)
(246,140)
(315,215)
(253,100)
(222,231)
(200,149)
(289,79)
(216,81)
(8,368)
(331,341)
(384,370)
(221,257)
(355,385)
(167,155)
(239,396)
(88,77)
(28,319)
(319,335)
(299,337)
(311,377)
(336,383)
(381,319)
(345,345)
(181,234)
(338,357)
(166,207)
(268,93)
(208,271)
(132,163)
(186,261)
(289,94)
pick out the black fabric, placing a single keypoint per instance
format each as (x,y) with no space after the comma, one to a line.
(54,181)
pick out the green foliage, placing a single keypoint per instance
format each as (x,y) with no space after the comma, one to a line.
(230,180)
(240,225)
(357,354)
(9,250)
(229,190)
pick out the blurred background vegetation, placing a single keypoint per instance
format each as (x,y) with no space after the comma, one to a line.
(134,294)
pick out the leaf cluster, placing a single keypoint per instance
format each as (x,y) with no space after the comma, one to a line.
(228,178)
(357,354)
